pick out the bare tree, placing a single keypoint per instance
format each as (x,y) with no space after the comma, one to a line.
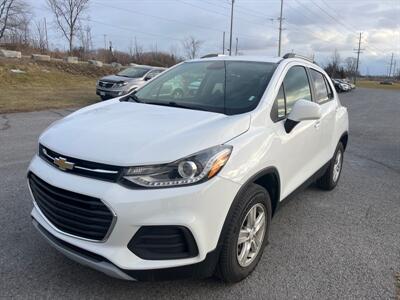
(5,8)
(39,39)
(191,47)
(333,68)
(174,51)
(68,14)
(138,51)
(85,38)
(350,66)
(14,19)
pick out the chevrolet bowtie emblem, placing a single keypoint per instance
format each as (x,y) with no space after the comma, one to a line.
(63,164)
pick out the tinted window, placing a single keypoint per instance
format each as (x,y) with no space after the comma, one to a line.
(296,86)
(135,72)
(321,92)
(329,88)
(153,73)
(230,87)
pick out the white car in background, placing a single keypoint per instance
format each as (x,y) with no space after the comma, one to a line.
(157,185)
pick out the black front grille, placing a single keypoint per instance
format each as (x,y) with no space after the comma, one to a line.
(106,84)
(80,215)
(82,167)
(163,242)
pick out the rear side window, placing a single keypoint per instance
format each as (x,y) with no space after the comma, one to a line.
(296,86)
(322,94)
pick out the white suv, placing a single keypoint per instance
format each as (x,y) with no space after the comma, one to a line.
(157,185)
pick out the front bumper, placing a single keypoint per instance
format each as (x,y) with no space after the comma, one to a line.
(201,208)
(109,93)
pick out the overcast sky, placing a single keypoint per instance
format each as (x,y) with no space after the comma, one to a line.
(310,26)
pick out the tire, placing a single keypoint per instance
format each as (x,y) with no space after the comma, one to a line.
(229,269)
(331,177)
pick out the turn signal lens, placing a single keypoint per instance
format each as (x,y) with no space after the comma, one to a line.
(218,164)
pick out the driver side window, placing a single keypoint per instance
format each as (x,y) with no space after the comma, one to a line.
(295,86)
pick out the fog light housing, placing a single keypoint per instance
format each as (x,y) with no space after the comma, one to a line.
(163,242)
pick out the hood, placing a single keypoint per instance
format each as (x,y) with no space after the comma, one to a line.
(129,134)
(116,78)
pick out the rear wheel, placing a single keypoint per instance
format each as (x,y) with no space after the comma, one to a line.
(329,180)
(246,236)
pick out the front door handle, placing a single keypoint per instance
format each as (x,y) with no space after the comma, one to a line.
(317,124)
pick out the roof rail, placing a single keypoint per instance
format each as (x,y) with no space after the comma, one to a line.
(212,55)
(294,55)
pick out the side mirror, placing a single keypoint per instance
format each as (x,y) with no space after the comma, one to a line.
(148,77)
(302,110)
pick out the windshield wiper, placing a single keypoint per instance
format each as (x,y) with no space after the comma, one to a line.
(170,103)
(131,97)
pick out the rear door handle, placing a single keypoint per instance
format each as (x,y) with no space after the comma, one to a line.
(317,124)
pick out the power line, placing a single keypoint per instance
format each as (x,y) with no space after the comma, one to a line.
(239,9)
(156,17)
(174,21)
(215,12)
(336,21)
(332,17)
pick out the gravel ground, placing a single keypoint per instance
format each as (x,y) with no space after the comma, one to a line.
(339,244)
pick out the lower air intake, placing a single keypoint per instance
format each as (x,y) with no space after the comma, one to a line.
(163,242)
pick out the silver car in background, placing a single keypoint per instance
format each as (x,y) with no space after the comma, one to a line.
(125,81)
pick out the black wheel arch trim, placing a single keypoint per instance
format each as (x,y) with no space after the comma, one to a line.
(269,170)
(345,135)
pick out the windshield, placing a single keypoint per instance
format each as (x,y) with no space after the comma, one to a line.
(135,72)
(229,87)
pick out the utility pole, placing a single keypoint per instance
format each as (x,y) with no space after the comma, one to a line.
(111,48)
(230,40)
(223,43)
(391,64)
(358,51)
(280,30)
(45,29)
(105,41)
(236,50)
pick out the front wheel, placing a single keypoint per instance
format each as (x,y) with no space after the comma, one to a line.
(329,180)
(247,235)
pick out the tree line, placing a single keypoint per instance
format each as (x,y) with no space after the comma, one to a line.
(19,31)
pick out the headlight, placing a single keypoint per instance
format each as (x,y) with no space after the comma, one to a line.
(196,168)
(121,84)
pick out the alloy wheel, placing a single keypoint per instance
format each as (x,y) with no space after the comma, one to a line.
(251,235)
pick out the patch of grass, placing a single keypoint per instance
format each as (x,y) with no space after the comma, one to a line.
(46,85)
(376,85)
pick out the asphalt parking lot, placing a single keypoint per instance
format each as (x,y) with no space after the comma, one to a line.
(339,244)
